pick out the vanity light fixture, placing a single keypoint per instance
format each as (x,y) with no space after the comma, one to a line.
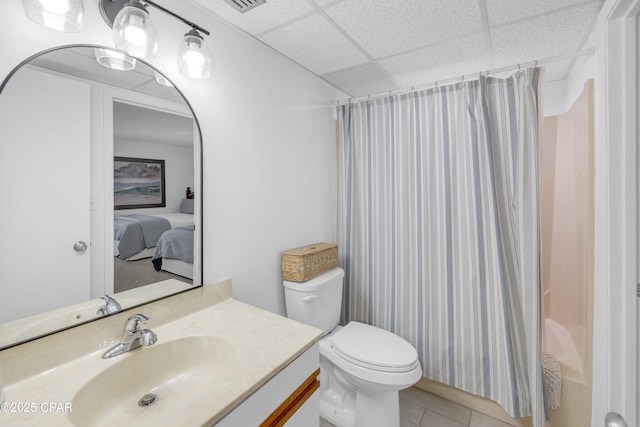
(193,60)
(134,33)
(59,15)
(114,60)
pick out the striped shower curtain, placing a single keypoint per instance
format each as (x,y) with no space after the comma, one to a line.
(438,231)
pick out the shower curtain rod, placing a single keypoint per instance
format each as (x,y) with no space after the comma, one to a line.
(476,76)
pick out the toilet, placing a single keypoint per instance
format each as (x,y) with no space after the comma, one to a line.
(362,367)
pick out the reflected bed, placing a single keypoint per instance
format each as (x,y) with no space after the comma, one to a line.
(135,236)
(174,252)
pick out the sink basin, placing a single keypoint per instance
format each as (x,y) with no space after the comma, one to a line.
(179,373)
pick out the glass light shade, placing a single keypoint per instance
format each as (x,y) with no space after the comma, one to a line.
(134,32)
(59,15)
(162,79)
(193,60)
(114,60)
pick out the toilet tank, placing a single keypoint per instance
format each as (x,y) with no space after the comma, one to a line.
(316,302)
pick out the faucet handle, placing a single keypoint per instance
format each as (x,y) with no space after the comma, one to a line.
(110,306)
(134,321)
(148,337)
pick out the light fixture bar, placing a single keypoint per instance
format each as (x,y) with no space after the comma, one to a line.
(110,8)
(175,15)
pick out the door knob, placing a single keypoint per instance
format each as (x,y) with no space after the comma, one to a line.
(80,246)
(614,420)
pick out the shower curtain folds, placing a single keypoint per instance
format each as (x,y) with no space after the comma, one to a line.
(438,230)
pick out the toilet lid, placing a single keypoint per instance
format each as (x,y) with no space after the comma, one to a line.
(374,348)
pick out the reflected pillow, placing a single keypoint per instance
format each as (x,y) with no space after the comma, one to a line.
(186,206)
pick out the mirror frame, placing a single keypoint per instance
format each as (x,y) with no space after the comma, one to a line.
(198,180)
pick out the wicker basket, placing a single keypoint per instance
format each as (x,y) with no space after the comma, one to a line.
(307,262)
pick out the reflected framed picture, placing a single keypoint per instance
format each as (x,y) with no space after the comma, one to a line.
(138,183)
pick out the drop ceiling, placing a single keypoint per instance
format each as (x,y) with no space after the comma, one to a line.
(131,122)
(367,47)
(81,62)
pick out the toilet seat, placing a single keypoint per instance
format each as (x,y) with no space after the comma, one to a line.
(373,348)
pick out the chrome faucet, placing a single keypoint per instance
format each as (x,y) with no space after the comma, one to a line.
(110,306)
(132,337)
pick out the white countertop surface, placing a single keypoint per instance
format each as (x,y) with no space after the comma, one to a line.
(264,344)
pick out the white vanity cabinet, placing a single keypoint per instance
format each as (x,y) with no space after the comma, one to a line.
(291,398)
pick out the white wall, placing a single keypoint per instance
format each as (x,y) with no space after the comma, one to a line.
(179,173)
(267,129)
(560,95)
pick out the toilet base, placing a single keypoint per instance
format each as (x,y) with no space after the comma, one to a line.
(344,405)
(374,409)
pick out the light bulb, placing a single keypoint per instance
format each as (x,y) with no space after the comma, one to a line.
(134,32)
(59,7)
(60,15)
(193,60)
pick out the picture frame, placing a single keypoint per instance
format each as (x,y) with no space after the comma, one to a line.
(138,183)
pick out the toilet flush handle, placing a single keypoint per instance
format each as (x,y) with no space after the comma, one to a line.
(309,298)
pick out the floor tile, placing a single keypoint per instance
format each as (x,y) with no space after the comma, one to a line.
(421,409)
(410,411)
(405,423)
(436,404)
(433,419)
(481,420)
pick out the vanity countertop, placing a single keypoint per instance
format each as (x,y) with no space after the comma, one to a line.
(263,344)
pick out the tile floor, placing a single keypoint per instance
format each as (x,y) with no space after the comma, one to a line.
(421,409)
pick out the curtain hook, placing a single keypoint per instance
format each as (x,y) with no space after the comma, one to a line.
(518,67)
(535,64)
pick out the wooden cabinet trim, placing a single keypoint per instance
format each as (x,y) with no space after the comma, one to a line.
(291,404)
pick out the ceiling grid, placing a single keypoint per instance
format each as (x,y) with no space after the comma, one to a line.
(365,46)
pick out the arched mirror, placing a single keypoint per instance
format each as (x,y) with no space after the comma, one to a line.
(100,177)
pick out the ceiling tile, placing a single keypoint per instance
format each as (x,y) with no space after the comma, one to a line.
(83,65)
(385,28)
(149,125)
(546,36)
(263,17)
(446,60)
(154,88)
(367,79)
(501,11)
(315,43)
